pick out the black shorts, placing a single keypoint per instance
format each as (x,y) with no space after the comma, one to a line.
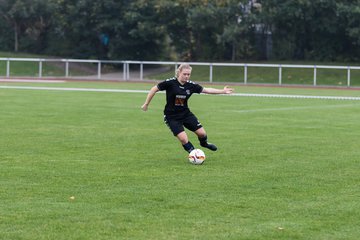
(177,123)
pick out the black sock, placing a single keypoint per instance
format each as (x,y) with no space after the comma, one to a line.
(203,141)
(188,147)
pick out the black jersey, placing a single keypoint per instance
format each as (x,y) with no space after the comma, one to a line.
(177,95)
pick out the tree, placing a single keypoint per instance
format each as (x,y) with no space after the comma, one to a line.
(240,28)
(75,27)
(6,36)
(192,28)
(348,13)
(178,31)
(308,29)
(27,18)
(206,23)
(107,29)
(140,36)
(14,12)
(207,30)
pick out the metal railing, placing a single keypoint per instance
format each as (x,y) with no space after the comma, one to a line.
(126,69)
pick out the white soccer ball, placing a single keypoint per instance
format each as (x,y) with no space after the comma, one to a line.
(197,157)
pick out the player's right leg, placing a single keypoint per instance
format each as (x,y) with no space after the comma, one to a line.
(178,130)
(183,138)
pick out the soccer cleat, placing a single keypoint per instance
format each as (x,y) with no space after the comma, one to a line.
(210,146)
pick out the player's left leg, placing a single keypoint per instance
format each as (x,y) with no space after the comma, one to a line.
(193,124)
(202,136)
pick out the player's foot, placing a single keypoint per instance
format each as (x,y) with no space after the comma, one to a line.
(210,146)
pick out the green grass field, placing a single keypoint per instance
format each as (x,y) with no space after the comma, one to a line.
(285,168)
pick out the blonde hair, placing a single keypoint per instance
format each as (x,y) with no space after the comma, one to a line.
(181,67)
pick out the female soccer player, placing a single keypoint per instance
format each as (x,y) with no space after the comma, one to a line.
(177,114)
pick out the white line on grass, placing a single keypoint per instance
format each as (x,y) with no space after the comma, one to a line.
(295,96)
(146,91)
(31,81)
(75,89)
(294,108)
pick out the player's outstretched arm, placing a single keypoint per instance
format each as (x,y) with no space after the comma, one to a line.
(226,90)
(149,97)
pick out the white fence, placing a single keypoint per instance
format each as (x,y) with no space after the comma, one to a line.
(125,74)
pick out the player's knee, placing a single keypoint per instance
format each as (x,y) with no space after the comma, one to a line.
(182,138)
(201,132)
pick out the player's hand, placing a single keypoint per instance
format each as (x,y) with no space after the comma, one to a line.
(145,107)
(228,90)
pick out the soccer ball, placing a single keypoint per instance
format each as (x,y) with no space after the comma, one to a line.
(197,157)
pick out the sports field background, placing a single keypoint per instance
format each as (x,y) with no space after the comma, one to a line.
(286,168)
